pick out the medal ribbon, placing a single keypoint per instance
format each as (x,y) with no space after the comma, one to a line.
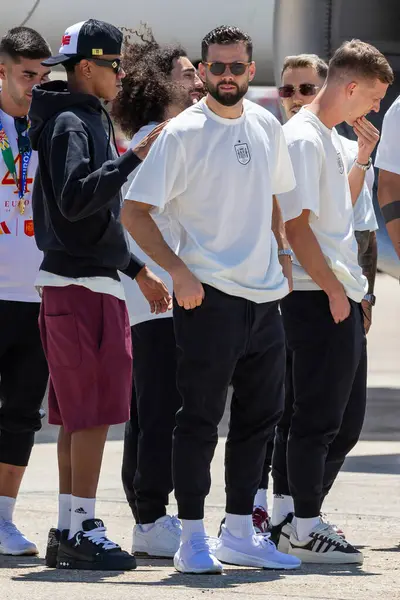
(10,164)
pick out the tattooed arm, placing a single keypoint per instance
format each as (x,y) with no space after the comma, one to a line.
(367,259)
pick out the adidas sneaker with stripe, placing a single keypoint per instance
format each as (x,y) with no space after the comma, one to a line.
(324,546)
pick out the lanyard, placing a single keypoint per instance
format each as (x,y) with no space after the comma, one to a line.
(10,164)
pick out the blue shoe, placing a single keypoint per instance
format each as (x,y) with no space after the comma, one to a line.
(196,556)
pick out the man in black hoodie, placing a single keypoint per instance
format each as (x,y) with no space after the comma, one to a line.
(83,321)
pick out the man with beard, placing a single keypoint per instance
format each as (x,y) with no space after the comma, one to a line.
(217,167)
(23,367)
(160,82)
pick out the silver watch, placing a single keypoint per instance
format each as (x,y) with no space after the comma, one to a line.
(363,167)
(370,298)
(285,252)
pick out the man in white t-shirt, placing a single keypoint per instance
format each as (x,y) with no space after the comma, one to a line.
(160,82)
(302,77)
(217,167)
(388,162)
(23,367)
(323,318)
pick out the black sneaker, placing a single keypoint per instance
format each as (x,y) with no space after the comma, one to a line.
(53,542)
(90,549)
(280,534)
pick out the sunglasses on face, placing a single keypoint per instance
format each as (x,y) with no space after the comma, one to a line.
(305,89)
(219,68)
(114,63)
(21,126)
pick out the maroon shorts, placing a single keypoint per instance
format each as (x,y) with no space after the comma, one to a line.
(87,342)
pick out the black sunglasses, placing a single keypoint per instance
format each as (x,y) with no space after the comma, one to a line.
(21,127)
(114,63)
(219,68)
(305,89)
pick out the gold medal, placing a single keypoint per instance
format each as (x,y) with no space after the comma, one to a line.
(21,206)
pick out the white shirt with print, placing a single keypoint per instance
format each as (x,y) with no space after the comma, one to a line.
(323,189)
(217,176)
(19,256)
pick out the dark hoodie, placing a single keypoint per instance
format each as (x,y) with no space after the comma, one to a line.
(77,190)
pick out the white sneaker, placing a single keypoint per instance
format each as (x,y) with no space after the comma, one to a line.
(324,546)
(13,542)
(197,556)
(160,541)
(253,551)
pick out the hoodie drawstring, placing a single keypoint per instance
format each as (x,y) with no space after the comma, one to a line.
(110,132)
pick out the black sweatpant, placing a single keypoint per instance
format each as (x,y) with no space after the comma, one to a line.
(324,421)
(23,380)
(227,339)
(147,462)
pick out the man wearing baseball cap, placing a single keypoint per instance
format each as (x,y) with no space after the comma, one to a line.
(83,321)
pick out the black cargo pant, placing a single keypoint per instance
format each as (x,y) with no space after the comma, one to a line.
(147,460)
(227,339)
(324,421)
(23,380)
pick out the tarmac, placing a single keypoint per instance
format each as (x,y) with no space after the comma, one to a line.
(365,502)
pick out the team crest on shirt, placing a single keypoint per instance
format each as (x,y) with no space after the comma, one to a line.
(340,163)
(242,153)
(28,228)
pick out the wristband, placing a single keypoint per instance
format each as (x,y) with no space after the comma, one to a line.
(285,252)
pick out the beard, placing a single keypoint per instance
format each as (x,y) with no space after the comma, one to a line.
(227,98)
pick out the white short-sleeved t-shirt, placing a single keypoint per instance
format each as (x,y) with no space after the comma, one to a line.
(217,176)
(323,188)
(138,307)
(19,256)
(364,213)
(388,153)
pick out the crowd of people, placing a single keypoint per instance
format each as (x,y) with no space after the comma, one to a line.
(220,249)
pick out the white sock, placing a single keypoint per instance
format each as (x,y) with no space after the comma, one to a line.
(190,527)
(7,506)
(64,511)
(282,506)
(240,526)
(81,510)
(305,526)
(261,499)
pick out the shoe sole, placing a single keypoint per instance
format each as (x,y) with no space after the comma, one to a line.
(143,554)
(28,552)
(232,557)
(83,565)
(322,558)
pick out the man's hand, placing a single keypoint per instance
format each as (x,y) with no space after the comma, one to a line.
(189,292)
(339,305)
(368,137)
(154,290)
(367,313)
(143,148)
(286,264)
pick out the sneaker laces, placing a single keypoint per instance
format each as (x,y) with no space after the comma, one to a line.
(204,543)
(263,541)
(173,525)
(98,536)
(326,521)
(329,534)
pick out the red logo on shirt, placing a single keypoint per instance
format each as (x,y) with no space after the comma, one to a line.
(4,228)
(28,228)
(66,40)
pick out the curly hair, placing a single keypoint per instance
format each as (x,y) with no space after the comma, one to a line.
(146,90)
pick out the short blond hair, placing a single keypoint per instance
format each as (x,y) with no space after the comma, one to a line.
(305,61)
(360,59)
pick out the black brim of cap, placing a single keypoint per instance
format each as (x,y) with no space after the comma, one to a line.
(57,60)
